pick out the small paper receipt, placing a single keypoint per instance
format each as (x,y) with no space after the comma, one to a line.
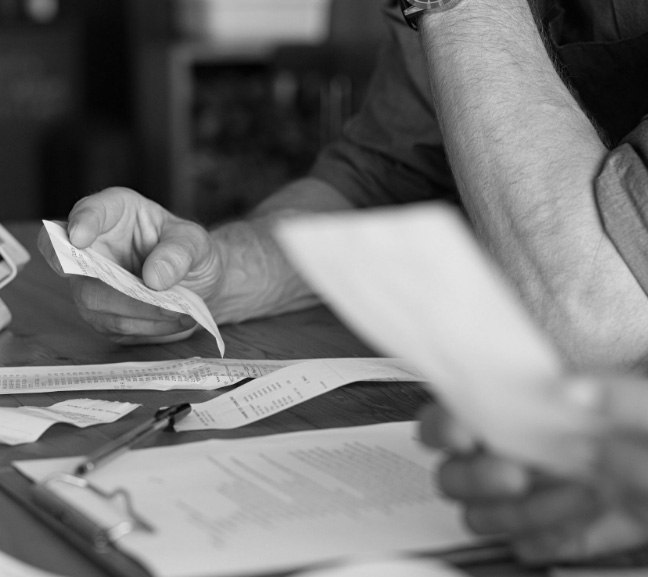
(290,386)
(88,262)
(26,424)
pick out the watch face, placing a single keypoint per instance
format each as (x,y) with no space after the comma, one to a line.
(432,4)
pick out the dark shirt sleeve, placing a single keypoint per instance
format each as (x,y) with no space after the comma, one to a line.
(391,151)
(622,197)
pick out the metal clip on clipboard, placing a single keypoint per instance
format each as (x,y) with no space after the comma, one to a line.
(99,516)
(13,256)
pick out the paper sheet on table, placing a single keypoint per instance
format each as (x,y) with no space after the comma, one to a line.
(193,374)
(291,386)
(415,284)
(190,374)
(26,424)
(88,262)
(11,567)
(266,504)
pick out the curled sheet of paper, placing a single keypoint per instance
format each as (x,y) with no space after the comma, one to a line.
(88,262)
(26,424)
(192,374)
(414,283)
(288,387)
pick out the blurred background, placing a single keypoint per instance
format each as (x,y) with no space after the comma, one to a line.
(205,106)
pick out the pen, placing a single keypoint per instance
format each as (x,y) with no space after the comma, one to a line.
(163,418)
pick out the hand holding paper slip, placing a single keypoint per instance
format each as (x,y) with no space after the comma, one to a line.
(88,262)
(415,283)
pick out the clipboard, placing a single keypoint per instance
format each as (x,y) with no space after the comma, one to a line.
(71,526)
(108,557)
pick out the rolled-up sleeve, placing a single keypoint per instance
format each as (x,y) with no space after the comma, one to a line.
(622,196)
(391,152)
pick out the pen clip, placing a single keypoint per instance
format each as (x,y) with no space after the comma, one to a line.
(174,413)
(164,418)
(98,515)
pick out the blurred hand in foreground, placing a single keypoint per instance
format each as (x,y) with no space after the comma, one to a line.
(549,519)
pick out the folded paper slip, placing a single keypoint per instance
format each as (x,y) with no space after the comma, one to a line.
(88,262)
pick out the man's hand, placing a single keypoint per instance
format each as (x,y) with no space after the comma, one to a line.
(148,241)
(548,519)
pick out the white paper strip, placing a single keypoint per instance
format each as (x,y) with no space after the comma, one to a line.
(192,374)
(26,424)
(291,386)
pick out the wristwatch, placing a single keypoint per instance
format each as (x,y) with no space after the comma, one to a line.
(412,9)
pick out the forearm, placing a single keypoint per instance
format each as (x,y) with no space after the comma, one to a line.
(525,158)
(256,279)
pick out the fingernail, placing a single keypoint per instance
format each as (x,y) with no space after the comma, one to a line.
(164,272)
(72,230)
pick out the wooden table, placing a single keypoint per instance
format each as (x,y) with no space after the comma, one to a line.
(47,330)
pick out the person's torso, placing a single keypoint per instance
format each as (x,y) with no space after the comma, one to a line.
(603,48)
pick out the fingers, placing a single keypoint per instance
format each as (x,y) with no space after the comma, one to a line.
(581,539)
(438,429)
(184,252)
(534,512)
(482,477)
(117,315)
(99,213)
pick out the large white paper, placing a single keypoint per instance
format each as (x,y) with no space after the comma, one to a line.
(26,424)
(287,387)
(276,503)
(12,567)
(415,284)
(88,262)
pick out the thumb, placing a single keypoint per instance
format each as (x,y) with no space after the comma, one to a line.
(183,246)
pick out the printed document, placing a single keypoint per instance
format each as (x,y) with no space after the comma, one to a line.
(414,283)
(276,503)
(289,386)
(88,262)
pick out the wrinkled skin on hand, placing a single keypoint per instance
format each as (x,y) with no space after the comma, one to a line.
(150,242)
